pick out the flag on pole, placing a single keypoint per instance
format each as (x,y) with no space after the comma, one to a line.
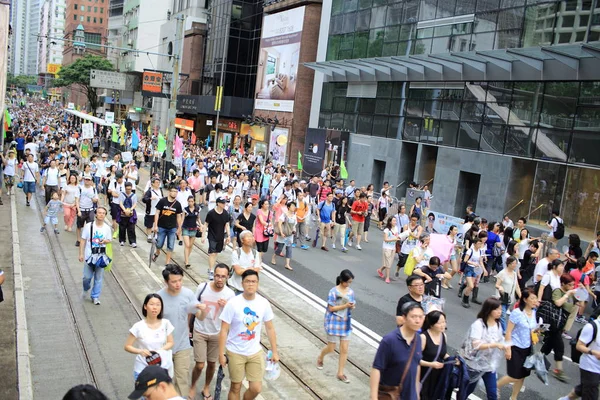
(178,146)
(7,119)
(149,131)
(193,138)
(162,143)
(299,161)
(122,135)
(241,149)
(343,171)
(115,135)
(135,139)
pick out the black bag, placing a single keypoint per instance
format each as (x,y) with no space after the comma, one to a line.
(555,316)
(576,354)
(560,230)
(547,295)
(192,318)
(147,197)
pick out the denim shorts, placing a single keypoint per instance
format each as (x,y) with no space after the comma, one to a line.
(51,220)
(470,272)
(169,234)
(188,232)
(29,187)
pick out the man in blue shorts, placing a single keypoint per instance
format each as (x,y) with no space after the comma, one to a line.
(31,174)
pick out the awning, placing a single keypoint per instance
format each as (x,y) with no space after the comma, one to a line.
(570,62)
(89,117)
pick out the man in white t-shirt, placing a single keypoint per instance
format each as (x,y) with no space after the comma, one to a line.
(243,258)
(94,239)
(553,225)
(239,342)
(541,268)
(215,294)
(589,364)
(31,175)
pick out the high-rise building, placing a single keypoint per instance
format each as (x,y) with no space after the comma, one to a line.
(115,30)
(52,27)
(25,22)
(495,103)
(93,16)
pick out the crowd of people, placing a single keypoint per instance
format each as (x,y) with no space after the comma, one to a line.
(250,200)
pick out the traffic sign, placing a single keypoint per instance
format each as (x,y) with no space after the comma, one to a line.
(107,79)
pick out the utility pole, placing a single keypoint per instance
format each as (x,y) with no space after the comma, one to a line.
(177,45)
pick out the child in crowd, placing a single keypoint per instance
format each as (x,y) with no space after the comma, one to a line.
(51,213)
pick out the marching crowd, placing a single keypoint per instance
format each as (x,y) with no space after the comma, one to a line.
(250,200)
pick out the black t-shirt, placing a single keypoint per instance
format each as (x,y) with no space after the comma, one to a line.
(167,213)
(312,189)
(528,261)
(573,252)
(190,218)
(431,273)
(216,224)
(340,214)
(246,223)
(403,300)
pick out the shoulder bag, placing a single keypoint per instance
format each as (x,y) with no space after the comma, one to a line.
(386,392)
(268,230)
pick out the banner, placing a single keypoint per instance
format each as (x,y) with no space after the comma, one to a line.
(109,117)
(278,60)
(152,82)
(436,222)
(87,131)
(314,151)
(278,145)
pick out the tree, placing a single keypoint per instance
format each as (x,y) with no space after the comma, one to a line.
(21,80)
(78,73)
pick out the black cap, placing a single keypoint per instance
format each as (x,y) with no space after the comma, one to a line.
(150,376)
(221,200)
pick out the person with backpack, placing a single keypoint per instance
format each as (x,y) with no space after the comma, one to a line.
(557,228)
(115,189)
(207,327)
(128,216)
(86,203)
(151,197)
(243,258)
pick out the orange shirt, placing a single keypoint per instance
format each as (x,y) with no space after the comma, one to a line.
(301,211)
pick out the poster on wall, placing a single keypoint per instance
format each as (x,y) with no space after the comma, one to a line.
(278,60)
(278,145)
(436,222)
(314,151)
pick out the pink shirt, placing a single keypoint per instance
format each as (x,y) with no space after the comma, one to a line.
(259,228)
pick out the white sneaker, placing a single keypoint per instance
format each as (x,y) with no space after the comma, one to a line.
(333,246)
(350,243)
(358,247)
(96,302)
(134,245)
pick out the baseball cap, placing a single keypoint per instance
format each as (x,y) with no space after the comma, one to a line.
(87,176)
(254,197)
(150,376)
(339,191)
(221,200)
(303,182)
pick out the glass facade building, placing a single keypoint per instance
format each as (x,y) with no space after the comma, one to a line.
(547,131)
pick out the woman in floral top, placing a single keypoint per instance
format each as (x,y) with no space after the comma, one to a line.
(338,321)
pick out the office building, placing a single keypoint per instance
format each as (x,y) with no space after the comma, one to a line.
(25,23)
(496,103)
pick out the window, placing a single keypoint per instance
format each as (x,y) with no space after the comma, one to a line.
(102,10)
(94,19)
(75,6)
(75,17)
(88,19)
(95,9)
(89,8)
(100,20)
(81,18)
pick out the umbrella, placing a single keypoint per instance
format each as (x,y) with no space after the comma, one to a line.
(441,246)
(220,376)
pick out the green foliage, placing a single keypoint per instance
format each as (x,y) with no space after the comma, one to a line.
(78,73)
(21,80)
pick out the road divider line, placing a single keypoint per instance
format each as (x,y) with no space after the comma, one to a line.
(148,270)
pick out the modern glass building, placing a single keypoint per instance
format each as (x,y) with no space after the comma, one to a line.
(495,102)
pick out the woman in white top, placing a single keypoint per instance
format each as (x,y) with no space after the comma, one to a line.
(10,166)
(506,286)
(214,195)
(70,199)
(382,206)
(132,174)
(287,217)
(390,237)
(474,260)
(551,279)
(151,339)
(451,265)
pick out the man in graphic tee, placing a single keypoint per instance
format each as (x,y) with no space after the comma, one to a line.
(241,324)
(167,223)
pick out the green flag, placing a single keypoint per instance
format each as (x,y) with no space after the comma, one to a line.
(299,161)
(343,171)
(115,135)
(162,143)
(7,118)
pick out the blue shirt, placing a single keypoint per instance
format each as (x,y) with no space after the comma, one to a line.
(325,211)
(491,242)
(391,358)
(521,333)
(20,143)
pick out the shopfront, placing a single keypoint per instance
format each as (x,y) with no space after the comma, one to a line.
(185,128)
(254,138)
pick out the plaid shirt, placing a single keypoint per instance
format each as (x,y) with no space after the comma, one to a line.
(334,324)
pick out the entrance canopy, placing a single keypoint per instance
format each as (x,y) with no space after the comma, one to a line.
(89,117)
(571,62)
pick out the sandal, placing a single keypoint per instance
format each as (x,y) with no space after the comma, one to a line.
(188,265)
(206,397)
(319,364)
(343,378)
(274,262)
(155,257)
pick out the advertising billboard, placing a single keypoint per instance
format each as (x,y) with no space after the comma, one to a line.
(107,79)
(314,151)
(278,60)
(278,145)
(152,82)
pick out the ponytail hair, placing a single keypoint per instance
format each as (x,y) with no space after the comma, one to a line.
(344,276)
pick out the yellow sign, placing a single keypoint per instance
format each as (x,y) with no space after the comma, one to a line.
(53,68)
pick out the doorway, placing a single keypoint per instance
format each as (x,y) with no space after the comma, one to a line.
(467,192)
(377,175)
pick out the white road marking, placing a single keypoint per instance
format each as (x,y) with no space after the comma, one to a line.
(148,270)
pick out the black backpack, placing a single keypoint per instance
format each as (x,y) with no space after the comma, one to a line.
(576,354)
(560,230)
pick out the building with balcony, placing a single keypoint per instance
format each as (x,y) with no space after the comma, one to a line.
(494,103)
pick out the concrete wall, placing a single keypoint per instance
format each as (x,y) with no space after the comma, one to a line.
(493,187)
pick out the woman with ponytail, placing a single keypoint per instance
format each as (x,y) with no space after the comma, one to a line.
(338,321)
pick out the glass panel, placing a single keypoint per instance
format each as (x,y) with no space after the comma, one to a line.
(445,8)
(365,124)
(378,17)
(361,44)
(337,120)
(380,2)
(349,22)
(468,135)
(526,103)
(411,10)
(337,25)
(492,137)
(394,14)
(590,93)
(440,44)
(482,41)
(395,106)
(485,22)
(392,33)
(499,92)
(363,4)
(511,3)
(380,126)
(547,193)
(559,104)
(367,106)
(347,41)
(339,104)
(487,5)
(350,122)
(511,19)
(363,20)
(340,89)
(333,47)
(580,206)
(382,106)
(350,5)
(432,109)
(451,110)
(539,19)
(552,144)
(472,111)
(336,7)
(422,46)
(465,7)
(414,108)
(324,119)
(430,131)
(518,141)
(508,39)
(496,113)
(408,31)
(393,124)
(424,33)
(448,132)
(460,43)
(412,128)
(588,119)
(375,42)
(327,97)
(397,90)
(445,30)
(384,89)
(584,148)
(389,49)
(351,105)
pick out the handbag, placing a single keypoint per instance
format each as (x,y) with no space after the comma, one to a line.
(551,314)
(386,392)
(409,266)
(268,231)
(285,231)
(198,233)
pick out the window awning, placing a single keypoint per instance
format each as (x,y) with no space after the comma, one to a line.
(572,62)
(89,117)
